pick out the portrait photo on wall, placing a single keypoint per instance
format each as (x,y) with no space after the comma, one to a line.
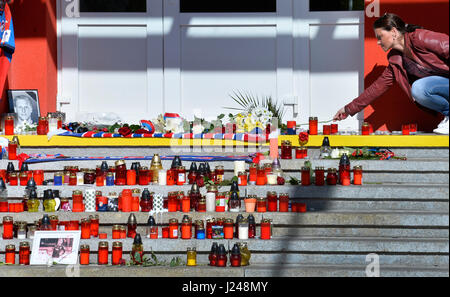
(25,104)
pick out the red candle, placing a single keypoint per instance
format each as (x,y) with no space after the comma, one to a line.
(332,177)
(357,175)
(165,232)
(131,177)
(286,149)
(272,201)
(306,176)
(8,227)
(301,207)
(13,180)
(185,204)
(173,228)
(261,176)
(326,129)
(42,126)
(320,176)
(334,128)
(242,178)
(252,173)
(313,123)
(102,253)
(265,229)
(85,229)
(12,150)
(235,260)
(10,254)
(284,202)
(365,129)
(228,231)
(116,232)
(181,178)
(9,125)
(94,225)
(143,176)
(84,254)
(261,204)
(116,252)
(412,128)
(405,129)
(186,230)
(24,253)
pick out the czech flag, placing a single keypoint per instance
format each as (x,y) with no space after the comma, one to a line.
(7,43)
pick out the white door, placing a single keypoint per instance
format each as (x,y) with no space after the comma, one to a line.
(110,62)
(210,56)
(329,62)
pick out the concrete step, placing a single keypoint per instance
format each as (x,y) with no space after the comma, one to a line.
(277,270)
(417,152)
(386,218)
(300,258)
(431,246)
(367,191)
(415,165)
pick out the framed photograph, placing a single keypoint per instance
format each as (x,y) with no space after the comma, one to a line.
(25,103)
(59,247)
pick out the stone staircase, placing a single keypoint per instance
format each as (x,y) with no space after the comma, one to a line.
(401,214)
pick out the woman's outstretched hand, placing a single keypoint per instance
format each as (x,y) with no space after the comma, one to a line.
(340,115)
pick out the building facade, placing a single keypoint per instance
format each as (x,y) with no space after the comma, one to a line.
(141,58)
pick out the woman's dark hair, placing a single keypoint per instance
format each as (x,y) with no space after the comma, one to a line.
(390,20)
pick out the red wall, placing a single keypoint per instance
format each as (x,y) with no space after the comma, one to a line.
(34,63)
(394,107)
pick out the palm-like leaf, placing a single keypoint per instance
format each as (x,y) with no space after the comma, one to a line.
(248,102)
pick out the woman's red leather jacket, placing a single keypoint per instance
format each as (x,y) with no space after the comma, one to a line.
(428,48)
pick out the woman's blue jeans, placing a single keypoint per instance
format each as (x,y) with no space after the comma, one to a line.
(432,92)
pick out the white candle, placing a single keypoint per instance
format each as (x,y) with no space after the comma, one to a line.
(272,179)
(239,166)
(210,201)
(162,177)
(243,232)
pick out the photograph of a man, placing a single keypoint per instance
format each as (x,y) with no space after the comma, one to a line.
(26,105)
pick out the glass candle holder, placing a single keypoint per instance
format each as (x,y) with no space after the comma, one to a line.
(272,201)
(326,129)
(334,129)
(301,152)
(286,149)
(8,227)
(173,228)
(405,129)
(42,126)
(9,125)
(219,174)
(181,175)
(319,173)
(116,253)
(306,176)
(120,173)
(357,175)
(24,253)
(12,150)
(265,229)
(84,254)
(284,202)
(143,176)
(10,254)
(102,253)
(261,176)
(313,125)
(332,177)
(261,204)
(365,129)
